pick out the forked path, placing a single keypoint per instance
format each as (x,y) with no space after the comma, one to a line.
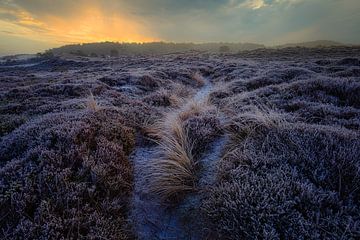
(152,218)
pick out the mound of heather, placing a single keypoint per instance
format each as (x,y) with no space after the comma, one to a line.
(310,97)
(291,169)
(67,175)
(282,180)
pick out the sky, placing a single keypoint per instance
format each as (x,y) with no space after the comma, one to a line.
(29,26)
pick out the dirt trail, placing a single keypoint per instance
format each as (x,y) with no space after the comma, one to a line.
(151,218)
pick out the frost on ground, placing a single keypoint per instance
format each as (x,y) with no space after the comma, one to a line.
(151,216)
(259,145)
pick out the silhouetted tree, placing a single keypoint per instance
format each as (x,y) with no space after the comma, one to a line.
(46,54)
(116,49)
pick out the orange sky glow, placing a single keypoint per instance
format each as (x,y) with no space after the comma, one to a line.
(89,24)
(30,26)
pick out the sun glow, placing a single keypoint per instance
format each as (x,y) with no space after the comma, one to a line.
(88,25)
(93,26)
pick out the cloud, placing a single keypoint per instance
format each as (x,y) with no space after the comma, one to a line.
(262,21)
(252,4)
(69,21)
(257,4)
(7,32)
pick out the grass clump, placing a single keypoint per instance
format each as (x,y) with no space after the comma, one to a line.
(163,98)
(92,104)
(198,78)
(174,172)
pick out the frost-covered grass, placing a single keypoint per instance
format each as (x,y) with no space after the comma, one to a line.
(182,136)
(290,167)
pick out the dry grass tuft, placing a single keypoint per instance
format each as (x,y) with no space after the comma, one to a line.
(163,98)
(182,91)
(91,103)
(174,172)
(194,108)
(198,78)
(258,119)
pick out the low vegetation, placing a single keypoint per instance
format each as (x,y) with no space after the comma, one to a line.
(285,180)
(291,167)
(287,167)
(182,136)
(67,176)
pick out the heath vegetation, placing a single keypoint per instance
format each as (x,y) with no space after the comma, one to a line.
(262,144)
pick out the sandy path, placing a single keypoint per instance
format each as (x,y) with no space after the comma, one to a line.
(151,218)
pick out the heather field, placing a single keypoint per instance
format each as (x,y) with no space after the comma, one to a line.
(262,144)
